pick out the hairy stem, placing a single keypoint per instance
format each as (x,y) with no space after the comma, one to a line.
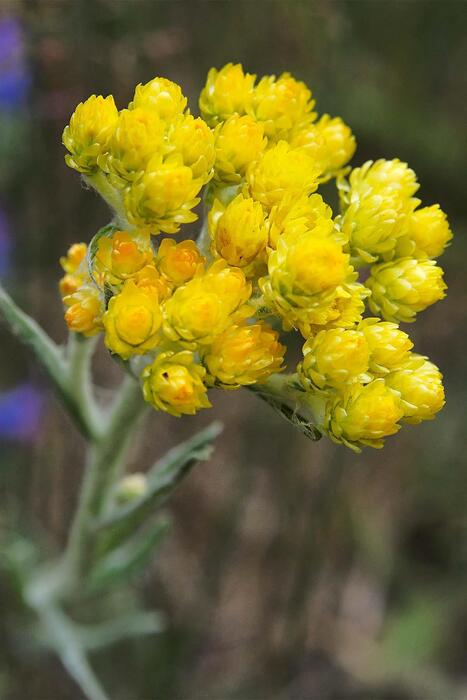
(100,182)
(52,359)
(79,353)
(62,633)
(104,464)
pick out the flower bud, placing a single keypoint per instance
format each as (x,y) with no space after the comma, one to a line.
(202,308)
(239,231)
(161,96)
(244,354)
(239,141)
(84,312)
(74,266)
(174,383)
(282,105)
(131,488)
(163,197)
(428,234)
(376,202)
(179,262)
(227,91)
(282,171)
(339,142)
(122,255)
(389,346)
(88,134)
(132,321)
(419,383)
(364,414)
(334,358)
(401,289)
(194,141)
(138,134)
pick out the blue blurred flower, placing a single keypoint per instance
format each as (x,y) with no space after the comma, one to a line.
(20,411)
(15,77)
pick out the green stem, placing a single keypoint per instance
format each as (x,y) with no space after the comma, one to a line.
(61,631)
(104,464)
(52,359)
(111,195)
(79,355)
(279,392)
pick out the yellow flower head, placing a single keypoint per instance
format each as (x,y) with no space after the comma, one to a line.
(244,354)
(282,105)
(334,358)
(74,257)
(75,271)
(364,414)
(401,289)
(84,312)
(88,134)
(194,141)
(149,276)
(239,141)
(203,308)
(281,171)
(139,133)
(311,140)
(308,273)
(227,91)
(239,231)
(132,320)
(293,214)
(376,201)
(428,234)
(161,96)
(347,308)
(163,197)
(389,346)
(420,385)
(179,262)
(121,256)
(174,383)
(339,142)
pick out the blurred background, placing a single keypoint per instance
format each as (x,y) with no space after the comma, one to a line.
(293,569)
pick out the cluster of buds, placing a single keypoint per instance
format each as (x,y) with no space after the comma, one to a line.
(271,259)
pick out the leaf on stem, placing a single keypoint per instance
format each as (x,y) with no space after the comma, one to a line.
(162,479)
(129,559)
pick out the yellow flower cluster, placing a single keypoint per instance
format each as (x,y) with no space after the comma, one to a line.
(271,254)
(149,160)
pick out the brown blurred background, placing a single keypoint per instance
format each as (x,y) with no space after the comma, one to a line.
(293,569)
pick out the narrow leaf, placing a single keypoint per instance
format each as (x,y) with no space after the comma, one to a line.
(128,560)
(163,478)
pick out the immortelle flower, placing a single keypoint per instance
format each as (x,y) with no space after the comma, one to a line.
(364,414)
(376,201)
(179,262)
(84,312)
(227,91)
(281,171)
(239,141)
(244,354)
(174,382)
(202,313)
(132,321)
(239,231)
(88,134)
(334,358)
(419,384)
(401,289)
